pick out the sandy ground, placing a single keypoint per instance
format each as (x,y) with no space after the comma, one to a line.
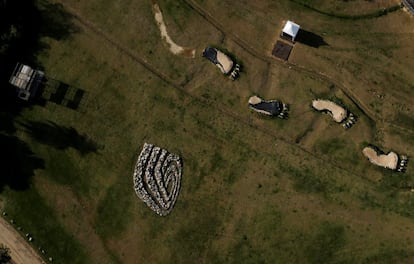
(338,113)
(388,161)
(254,100)
(225,61)
(20,250)
(174,48)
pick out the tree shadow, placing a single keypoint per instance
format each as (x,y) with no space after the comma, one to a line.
(24,25)
(62,94)
(310,39)
(60,137)
(31,21)
(17,163)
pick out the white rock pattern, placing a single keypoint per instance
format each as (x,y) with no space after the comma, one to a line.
(157,178)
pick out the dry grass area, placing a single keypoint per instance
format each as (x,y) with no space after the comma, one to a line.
(254,189)
(349,7)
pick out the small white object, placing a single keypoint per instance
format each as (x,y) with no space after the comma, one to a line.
(291,29)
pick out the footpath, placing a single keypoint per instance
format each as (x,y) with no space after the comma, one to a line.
(20,250)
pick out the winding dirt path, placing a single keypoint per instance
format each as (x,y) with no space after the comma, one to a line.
(211,104)
(20,250)
(174,48)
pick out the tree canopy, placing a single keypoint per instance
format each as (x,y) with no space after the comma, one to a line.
(4,255)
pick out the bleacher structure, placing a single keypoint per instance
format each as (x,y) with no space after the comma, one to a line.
(26,80)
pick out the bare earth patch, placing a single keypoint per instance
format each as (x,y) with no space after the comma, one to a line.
(387,161)
(174,48)
(20,251)
(338,113)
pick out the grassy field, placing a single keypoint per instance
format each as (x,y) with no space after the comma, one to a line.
(254,190)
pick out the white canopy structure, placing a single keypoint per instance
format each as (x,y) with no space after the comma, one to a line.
(290,30)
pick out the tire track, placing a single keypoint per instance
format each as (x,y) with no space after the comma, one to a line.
(286,64)
(206,102)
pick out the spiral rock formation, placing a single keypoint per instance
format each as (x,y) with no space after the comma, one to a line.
(157,178)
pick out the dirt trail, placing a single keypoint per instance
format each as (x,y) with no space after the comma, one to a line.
(207,102)
(323,76)
(20,250)
(174,48)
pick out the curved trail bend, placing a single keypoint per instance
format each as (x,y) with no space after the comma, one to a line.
(173,47)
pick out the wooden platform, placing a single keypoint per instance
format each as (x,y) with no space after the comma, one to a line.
(282,50)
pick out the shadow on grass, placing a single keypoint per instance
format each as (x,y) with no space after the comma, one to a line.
(60,137)
(62,94)
(17,163)
(24,24)
(329,239)
(310,39)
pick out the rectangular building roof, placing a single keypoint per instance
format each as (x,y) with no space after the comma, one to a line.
(291,29)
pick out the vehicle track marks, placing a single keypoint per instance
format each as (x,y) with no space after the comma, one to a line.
(207,102)
(255,53)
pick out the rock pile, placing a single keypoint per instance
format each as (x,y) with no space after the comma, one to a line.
(157,178)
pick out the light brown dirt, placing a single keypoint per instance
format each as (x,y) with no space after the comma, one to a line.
(338,113)
(174,48)
(225,61)
(20,251)
(388,161)
(254,100)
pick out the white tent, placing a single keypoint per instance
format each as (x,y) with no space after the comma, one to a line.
(291,29)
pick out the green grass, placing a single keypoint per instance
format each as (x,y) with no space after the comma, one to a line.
(247,196)
(404,120)
(30,212)
(388,254)
(306,181)
(176,10)
(322,247)
(331,146)
(113,219)
(371,15)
